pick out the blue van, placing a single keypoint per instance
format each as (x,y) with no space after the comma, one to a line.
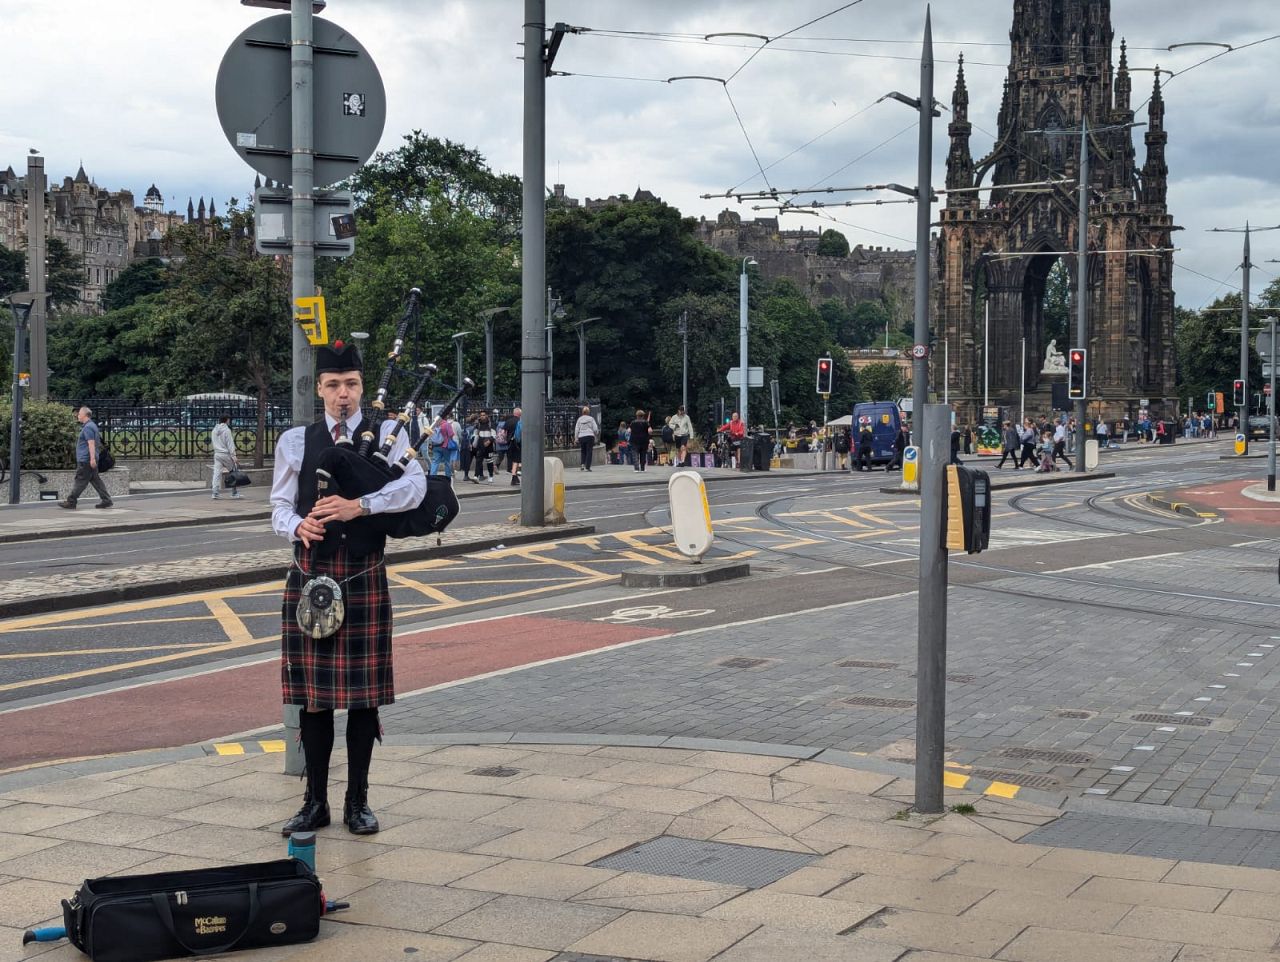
(884,418)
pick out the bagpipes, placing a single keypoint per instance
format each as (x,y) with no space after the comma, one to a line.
(353,472)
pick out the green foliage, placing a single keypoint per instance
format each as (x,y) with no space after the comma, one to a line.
(832,243)
(882,382)
(1208,352)
(49,433)
(13,272)
(137,280)
(1057,307)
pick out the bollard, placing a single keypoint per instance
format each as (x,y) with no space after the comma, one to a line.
(294,762)
(553,490)
(690,514)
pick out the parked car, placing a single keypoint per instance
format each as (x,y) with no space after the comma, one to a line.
(1259,430)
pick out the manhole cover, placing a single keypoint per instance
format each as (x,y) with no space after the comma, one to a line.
(856,663)
(1044,782)
(871,701)
(496,771)
(1048,755)
(745,865)
(1194,721)
(742,662)
(1073,713)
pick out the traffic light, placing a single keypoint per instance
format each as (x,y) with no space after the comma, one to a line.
(1237,393)
(966,519)
(1077,369)
(824,375)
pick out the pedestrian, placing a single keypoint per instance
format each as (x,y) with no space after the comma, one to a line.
(737,431)
(968,439)
(866,442)
(624,443)
(955,445)
(224,454)
(899,446)
(444,446)
(586,430)
(466,443)
(351,668)
(1028,437)
(842,447)
(1045,449)
(88,447)
(514,434)
(682,429)
(1104,435)
(482,448)
(501,441)
(1060,443)
(640,438)
(1010,442)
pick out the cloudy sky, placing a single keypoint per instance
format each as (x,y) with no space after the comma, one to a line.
(126,86)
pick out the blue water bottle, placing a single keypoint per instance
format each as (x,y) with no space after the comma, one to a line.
(302,846)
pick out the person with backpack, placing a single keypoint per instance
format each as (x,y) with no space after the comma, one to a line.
(482,448)
(624,444)
(640,438)
(444,447)
(500,440)
(842,446)
(585,432)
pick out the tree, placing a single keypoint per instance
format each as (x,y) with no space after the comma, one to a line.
(66,273)
(1207,352)
(882,381)
(137,280)
(832,243)
(13,271)
(1057,307)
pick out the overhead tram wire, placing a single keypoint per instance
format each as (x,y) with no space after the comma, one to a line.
(809,143)
(746,136)
(808,23)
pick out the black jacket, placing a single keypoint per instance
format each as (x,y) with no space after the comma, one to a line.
(640,435)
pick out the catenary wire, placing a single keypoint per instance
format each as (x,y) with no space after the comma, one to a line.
(809,23)
(746,135)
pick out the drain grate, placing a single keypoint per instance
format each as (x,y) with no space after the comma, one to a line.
(871,701)
(1048,755)
(858,663)
(1073,713)
(745,865)
(1156,718)
(743,662)
(1044,782)
(495,771)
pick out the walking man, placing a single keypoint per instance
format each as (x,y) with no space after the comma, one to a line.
(350,666)
(88,445)
(640,438)
(682,430)
(1009,444)
(1060,444)
(224,454)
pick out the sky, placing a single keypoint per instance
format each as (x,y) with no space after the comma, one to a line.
(127,88)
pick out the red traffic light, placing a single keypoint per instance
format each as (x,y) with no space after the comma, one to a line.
(1077,356)
(823,365)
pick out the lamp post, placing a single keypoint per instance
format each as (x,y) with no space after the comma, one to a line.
(582,356)
(457,352)
(21,305)
(487,316)
(555,312)
(682,328)
(742,339)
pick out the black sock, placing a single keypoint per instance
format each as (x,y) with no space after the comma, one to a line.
(362,729)
(317,745)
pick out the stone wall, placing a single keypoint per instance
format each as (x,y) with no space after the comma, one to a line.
(116,480)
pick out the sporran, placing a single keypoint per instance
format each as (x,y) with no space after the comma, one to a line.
(321,609)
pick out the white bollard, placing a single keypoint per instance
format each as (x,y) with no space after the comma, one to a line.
(553,490)
(1091,455)
(690,514)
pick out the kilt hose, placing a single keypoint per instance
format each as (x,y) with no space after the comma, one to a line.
(351,668)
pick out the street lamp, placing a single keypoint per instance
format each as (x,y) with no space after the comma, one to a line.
(682,328)
(742,339)
(555,312)
(1242,413)
(457,348)
(582,356)
(487,316)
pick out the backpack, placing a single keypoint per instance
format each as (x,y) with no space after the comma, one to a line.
(501,437)
(668,436)
(438,437)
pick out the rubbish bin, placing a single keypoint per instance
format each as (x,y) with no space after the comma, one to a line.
(1170,432)
(763,452)
(746,454)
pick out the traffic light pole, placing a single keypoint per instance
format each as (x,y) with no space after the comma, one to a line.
(1242,412)
(533,356)
(934,436)
(1082,285)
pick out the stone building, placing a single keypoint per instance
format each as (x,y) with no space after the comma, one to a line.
(999,252)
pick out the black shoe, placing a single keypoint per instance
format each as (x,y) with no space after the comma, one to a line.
(357,815)
(311,815)
(69,505)
(105,504)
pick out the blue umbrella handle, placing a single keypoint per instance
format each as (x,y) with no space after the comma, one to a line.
(50,934)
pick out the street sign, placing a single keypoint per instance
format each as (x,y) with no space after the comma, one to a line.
(755,376)
(273,222)
(920,351)
(1263,345)
(911,468)
(253,97)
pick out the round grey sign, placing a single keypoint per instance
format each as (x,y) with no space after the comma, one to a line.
(253,97)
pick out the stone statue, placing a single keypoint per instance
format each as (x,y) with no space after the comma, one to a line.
(1055,362)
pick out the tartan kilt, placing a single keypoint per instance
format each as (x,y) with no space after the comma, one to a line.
(351,668)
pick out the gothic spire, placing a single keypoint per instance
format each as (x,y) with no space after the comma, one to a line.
(191,211)
(1123,85)
(257,181)
(1155,172)
(200,210)
(960,160)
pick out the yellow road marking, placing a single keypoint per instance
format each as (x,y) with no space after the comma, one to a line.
(430,591)
(272,745)
(121,624)
(954,780)
(236,629)
(642,558)
(104,651)
(128,607)
(1001,789)
(231,748)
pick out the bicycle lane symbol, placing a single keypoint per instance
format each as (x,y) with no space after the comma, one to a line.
(651,613)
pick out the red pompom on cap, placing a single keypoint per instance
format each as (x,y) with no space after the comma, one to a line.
(337,345)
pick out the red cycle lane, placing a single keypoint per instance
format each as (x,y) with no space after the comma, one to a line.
(212,705)
(1228,500)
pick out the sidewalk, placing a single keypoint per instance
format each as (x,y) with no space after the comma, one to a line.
(584,850)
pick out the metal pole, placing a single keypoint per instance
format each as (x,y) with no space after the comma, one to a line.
(1082,283)
(742,341)
(986,350)
(946,370)
(304,266)
(582,362)
(457,354)
(1022,386)
(1271,413)
(488,363)
(684,366)
(551,319)
(37,273)
(924,209)
(20,316)
(931,627)
(1243,412)
(533,271)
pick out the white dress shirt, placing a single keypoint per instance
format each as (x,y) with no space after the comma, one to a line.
(404,493)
